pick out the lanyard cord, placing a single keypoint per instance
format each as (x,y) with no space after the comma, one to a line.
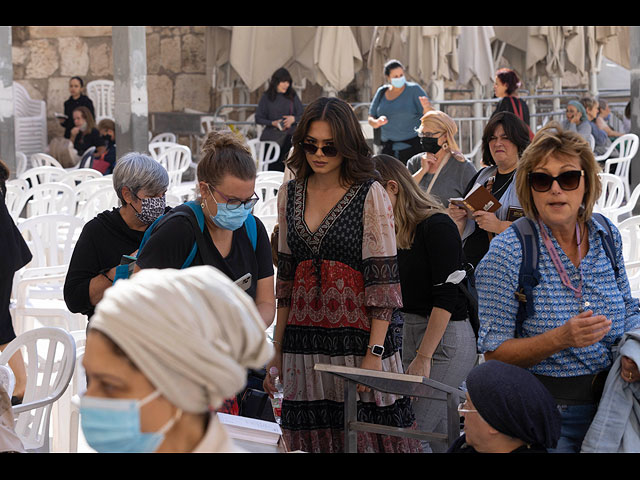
(555,258)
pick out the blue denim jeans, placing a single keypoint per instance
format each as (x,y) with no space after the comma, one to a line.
(576,420)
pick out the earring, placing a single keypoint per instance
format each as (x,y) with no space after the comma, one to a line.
(445,146)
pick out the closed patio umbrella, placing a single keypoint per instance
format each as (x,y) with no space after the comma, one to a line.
(337,57)
(257,52)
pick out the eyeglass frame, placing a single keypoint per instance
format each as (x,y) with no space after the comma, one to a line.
(555,179)
(234,206)
(306,144)
(462,409)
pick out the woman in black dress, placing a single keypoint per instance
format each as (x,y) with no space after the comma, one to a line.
(15,255)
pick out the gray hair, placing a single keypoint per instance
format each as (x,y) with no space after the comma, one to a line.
(138,171)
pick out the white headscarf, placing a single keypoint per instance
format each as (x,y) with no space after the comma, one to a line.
(192,333)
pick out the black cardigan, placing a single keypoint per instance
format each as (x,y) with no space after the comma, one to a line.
(101,245)
(436,252)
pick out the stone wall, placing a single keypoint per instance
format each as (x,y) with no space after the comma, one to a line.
(45,57)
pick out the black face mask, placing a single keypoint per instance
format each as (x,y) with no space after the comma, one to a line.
(430,144)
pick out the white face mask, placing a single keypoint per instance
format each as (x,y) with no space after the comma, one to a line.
(398,82)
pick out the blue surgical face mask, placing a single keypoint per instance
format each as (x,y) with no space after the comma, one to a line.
(112,425)
(398,82)
(229,219)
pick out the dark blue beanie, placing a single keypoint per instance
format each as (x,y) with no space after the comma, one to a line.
(514,402)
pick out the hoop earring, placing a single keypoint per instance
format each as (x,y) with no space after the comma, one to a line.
(445,146)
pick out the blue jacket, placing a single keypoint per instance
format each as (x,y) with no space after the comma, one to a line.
(616,426)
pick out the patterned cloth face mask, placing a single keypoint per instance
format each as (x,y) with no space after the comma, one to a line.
(151,209)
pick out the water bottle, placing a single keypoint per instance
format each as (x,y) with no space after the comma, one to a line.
(276,401)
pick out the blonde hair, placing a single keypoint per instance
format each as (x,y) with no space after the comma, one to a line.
(440,121)
(553,139)
(413,204)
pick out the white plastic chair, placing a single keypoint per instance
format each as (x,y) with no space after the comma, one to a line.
(65,414)
(98,201)
(270,175)
(628,147)
(176,160)
(267,212)
(50,356)
(50,198)
(76,176)
(618,214)
(38,287)
(30,120)
(267,188)
(86,160)
(630,232)
(159,147)
(264,152)
(102,94)
(38,175)
(612,194)
(164,137)
(21,163)
(51,238)
(44,160)
(16,197)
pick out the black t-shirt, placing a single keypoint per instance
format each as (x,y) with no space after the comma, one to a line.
(436,252)
(477,244)
(100,246)
(171,242)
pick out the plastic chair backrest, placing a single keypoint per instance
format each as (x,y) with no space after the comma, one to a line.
(630,233)
(176,161)
(75,177)
(50,198)
(158,148)
(21,163)
(267,188)
(164,137)
(51,238)
(30,119)
(104,198)
(37,175)
(87,158)
(16,197)
(44,160)
(50,356)
(613,192)
(264,152)
(102,94)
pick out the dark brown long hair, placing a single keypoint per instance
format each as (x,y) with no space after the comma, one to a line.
(357,165)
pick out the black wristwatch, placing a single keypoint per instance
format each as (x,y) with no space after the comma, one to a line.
(376,350)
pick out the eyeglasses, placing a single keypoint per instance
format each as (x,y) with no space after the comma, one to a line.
(541,182)
(463,408)
(234,203)
(327,150)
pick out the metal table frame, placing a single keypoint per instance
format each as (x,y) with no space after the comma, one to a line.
(396,383)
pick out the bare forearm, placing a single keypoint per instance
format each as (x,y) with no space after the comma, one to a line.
(529,351)
(438,321)
(99,284)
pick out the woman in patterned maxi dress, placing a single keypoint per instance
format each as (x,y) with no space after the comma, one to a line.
(337,286)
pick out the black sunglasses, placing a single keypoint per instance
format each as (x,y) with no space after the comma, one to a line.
(541,182)
(327,150)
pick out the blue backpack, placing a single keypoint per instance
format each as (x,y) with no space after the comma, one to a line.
(124,271)
(529,275)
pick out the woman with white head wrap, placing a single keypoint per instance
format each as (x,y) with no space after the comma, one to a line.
(164,349)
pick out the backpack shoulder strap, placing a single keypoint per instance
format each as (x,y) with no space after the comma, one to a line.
(198,228)
(529,276)
(607,240)
(252,230)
